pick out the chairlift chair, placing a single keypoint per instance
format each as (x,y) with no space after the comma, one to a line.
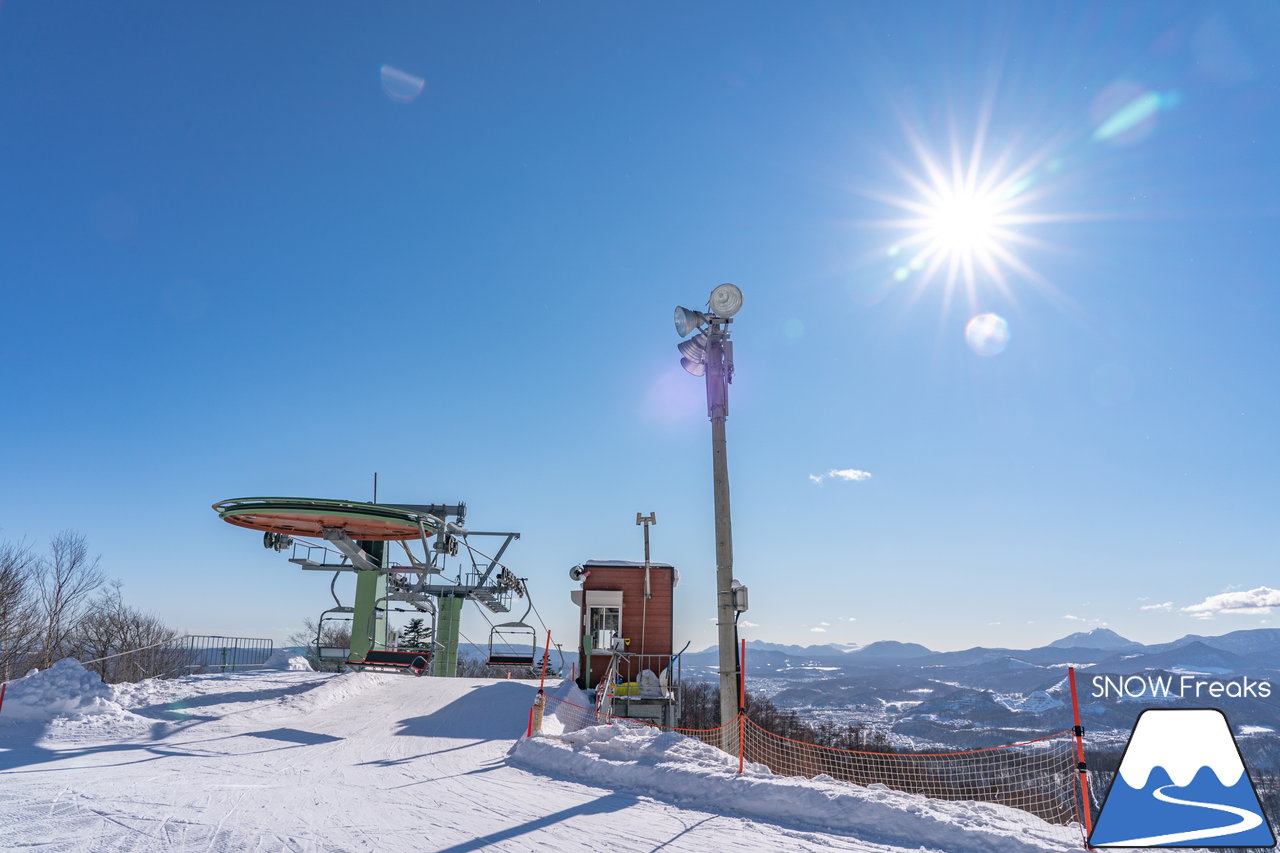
(333,615)
(510,634)
(338,613)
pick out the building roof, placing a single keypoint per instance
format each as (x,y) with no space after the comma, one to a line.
(623,564)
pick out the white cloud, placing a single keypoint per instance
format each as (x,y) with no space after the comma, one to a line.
(747,623)
(818,630)
(1088,620)
(825,624)
(1166,606)
(1253,602)
(849,475)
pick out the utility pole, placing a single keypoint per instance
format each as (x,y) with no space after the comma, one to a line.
(719,374)
(709,353)
(645,521)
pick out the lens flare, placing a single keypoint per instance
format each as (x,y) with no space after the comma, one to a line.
(987,334)
(400,85)
(1126,112)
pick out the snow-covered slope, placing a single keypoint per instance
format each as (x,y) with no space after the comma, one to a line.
(305,761)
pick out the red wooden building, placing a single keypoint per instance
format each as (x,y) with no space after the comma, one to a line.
(624,602)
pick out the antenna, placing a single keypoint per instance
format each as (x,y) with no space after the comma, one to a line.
(375,486)
(645,521)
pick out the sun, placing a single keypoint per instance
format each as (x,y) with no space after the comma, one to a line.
(964,223)
(966,217)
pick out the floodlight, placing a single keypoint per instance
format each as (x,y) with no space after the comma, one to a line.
(687,321)
(694,349)
(726,300)
(697,368)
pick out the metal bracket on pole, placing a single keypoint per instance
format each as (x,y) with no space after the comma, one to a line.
(493,562)
(358,556)
(719,367)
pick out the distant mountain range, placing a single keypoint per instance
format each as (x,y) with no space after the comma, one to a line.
(1086,648)
(985,696)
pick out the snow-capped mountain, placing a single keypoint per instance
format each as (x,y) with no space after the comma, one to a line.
(1098,638)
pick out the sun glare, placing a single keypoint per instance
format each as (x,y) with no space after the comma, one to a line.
(964,223)
(965,219)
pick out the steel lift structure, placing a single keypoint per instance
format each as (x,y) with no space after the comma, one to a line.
(354,537)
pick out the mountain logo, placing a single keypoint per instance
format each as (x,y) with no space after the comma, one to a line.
(1182,783)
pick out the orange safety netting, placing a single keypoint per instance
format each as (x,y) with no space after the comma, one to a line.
(1036,776)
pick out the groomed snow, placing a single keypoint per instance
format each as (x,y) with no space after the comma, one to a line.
(292,760)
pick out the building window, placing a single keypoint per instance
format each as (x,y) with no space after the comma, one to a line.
(604,623)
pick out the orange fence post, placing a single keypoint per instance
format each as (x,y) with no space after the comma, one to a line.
(546,655)
(2,689)
(539,701)
(1081,766)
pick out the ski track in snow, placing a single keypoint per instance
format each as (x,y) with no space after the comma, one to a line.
(308,762)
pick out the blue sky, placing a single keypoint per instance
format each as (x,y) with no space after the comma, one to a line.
(239,259)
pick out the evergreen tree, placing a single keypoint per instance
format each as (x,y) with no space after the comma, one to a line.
(415,636)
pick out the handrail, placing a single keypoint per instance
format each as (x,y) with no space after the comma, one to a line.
(169,642)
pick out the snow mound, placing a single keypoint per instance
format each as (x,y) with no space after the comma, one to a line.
(335,690)
(64,689)
(288,660)
(679,769)
(570,713)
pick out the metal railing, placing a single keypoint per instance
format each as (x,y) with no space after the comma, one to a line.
(190,653)
(208,652)
(624,691)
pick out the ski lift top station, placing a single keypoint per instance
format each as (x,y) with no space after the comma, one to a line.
(354,537)
(625,608)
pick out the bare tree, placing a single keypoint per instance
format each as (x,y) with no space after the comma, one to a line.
(17,610)
(67,577)
(124,644)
